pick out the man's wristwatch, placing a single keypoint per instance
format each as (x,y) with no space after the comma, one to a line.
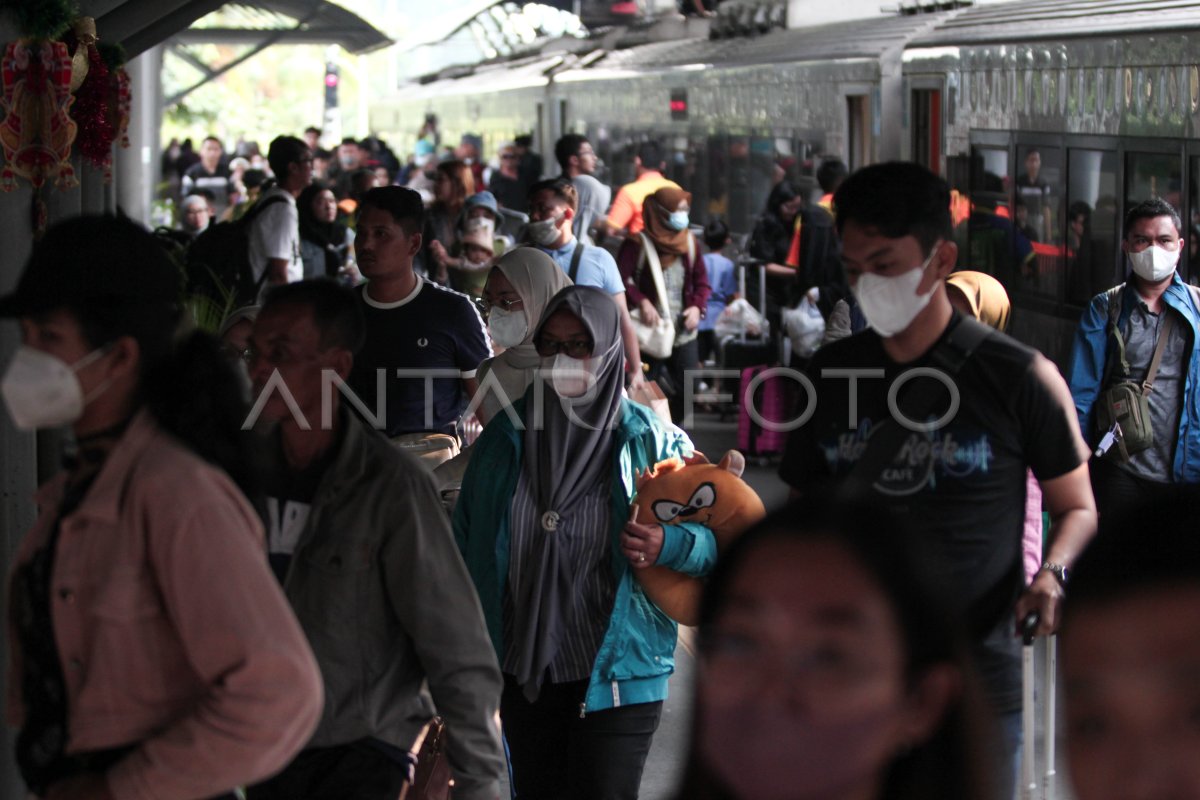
(1057,570)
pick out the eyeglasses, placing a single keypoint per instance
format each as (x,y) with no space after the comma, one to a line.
(484,305)
(509,157)
(575,348)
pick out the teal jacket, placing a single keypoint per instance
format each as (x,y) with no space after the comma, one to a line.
(637,654)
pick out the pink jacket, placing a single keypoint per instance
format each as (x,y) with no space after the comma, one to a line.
(171,630)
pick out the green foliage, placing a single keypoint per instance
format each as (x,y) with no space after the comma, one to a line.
(114,55)
(210,312)
(40,19)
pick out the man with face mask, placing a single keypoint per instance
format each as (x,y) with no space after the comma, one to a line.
(1157,317)
(552,207)
(940,419)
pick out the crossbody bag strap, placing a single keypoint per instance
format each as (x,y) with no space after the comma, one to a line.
(950,355)
(656,273)
(1163,335)
(1114,332)
(576,257)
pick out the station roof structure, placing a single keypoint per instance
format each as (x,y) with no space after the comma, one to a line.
(255,25)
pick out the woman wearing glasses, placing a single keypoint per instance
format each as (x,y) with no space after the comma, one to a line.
(518,290)
(544,525)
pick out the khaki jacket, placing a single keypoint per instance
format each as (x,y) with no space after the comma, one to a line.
(382,593)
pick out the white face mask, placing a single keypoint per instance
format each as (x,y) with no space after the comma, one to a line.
(1154,264)
(569,377)
(891,304)
(508,328)
(42,391)
(545,232)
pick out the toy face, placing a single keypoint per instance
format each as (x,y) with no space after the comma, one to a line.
(698,508)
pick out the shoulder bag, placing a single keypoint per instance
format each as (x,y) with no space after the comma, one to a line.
(1124,407)
(658,340)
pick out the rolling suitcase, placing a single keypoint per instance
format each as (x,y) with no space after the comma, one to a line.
(762,402)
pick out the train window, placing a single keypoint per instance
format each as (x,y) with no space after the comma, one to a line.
(927,128)
(1092,228)
(742,210)
(1193,223)
(1149,175)
(992,246)
(718,180)
(1037,221)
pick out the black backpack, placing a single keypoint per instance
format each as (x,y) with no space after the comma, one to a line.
(218,261)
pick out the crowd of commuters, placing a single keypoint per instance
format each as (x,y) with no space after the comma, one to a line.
(245,581)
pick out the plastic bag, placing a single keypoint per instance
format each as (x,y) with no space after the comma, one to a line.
(805,327)
(739,317)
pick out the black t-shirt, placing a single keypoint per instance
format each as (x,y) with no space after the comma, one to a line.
(963,486)
(289,495)
(434,328)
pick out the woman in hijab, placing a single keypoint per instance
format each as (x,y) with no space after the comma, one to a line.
(325,243)
(667,239)
(981,296)
(544,525)
(518,290)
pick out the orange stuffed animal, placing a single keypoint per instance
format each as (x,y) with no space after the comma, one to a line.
(713,495)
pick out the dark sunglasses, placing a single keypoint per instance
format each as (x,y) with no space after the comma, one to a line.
(575,348)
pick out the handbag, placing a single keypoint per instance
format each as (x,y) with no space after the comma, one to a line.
(658,340)
(433,780)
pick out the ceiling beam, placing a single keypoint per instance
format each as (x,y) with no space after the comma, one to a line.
(272,38)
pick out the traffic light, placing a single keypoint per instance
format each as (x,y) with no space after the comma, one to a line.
(331,85)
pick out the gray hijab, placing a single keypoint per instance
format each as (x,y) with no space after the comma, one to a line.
(568,453)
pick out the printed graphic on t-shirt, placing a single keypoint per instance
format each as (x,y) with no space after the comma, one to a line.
(285,522)
(922,462)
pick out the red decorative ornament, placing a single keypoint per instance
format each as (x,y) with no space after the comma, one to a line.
(37,131)
(92,115)
(123,105)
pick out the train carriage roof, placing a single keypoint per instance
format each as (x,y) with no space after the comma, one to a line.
(863,38)
(1027,20)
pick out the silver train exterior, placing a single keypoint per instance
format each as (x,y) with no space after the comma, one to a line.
(1106,92)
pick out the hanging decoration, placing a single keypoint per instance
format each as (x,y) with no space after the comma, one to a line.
(40,19)
(37,132)
(120,98)
(92,111)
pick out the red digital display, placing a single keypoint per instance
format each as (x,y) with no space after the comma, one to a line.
(678,106)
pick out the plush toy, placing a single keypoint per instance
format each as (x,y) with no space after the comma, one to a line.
(713,495)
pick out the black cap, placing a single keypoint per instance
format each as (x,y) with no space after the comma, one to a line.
(90,259)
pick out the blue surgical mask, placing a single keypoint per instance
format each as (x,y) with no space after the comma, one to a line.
(678,220)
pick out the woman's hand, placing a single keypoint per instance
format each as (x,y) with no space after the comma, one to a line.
(439,254)
(640,543)
(83,787)
(691,318)
(649,312)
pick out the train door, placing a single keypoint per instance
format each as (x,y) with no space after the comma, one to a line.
(860,141)
(925,120)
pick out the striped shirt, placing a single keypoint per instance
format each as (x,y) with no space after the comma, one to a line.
(584,529)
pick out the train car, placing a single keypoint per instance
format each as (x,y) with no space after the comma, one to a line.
(1053,118)
(1048,117)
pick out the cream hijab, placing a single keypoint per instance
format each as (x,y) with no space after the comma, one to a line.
(536,278)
